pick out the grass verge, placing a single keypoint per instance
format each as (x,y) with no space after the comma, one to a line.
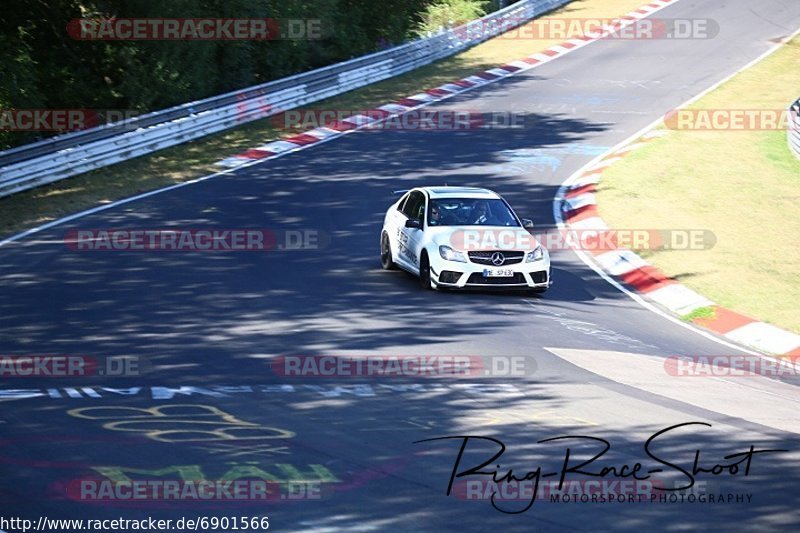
(742,185)
(195,159)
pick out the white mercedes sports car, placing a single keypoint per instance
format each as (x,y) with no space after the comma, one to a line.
(463,237)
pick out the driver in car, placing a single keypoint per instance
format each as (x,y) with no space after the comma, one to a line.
(436,216)
(480,213)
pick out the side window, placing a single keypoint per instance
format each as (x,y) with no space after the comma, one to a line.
(402,202)
(415,205)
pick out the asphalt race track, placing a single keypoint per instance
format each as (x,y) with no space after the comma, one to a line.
(214,321)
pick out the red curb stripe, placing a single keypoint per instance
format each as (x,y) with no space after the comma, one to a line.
(550,52)
(487,75)
(590,188)
(438,92)
(724,320)
(531,60)
(302,139)
(409,102)
(464,83)
(510,68)
(642,11)
(793,353)
(254,153)
(582,213)
(646,279)
(568,45)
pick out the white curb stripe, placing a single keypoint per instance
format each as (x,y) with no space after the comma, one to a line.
(499,72)
(394,108)
(765,337)
(233,162)
(359,120)
(679,299)
(588,179)
(423,97)
(520,64)
(582,200)
(619,262)
(476,80)
(595,223)
(321,133)
(453,88)
(278,146)
(541,57)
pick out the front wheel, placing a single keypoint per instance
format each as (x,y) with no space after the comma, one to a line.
(387,263)
(425,272)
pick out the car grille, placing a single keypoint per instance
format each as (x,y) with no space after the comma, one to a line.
(485,258)
(478,279)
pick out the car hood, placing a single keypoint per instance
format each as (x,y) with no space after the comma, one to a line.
(485,238)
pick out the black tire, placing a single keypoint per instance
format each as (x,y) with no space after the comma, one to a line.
(425,272)
(387,263)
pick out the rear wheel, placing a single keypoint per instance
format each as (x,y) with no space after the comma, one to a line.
(387,263)
(425,272)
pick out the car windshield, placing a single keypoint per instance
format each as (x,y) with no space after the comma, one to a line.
(470,212)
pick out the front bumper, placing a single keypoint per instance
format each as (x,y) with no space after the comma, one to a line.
(457,275)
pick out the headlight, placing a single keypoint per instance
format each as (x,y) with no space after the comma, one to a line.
(451,255)
(536,255)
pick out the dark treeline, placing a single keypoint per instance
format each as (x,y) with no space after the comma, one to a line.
(42,67)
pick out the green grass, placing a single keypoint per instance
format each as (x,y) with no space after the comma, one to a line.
(702,312)
(192,160)
(742,185)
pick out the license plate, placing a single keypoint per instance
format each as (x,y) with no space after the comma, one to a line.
(499,273)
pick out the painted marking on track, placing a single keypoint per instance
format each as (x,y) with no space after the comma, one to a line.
(589,328)
(177,423)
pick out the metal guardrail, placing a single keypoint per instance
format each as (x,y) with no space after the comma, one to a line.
(794,128)
(67,155)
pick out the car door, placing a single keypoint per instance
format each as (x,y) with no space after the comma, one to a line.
(408,239)
(395,219)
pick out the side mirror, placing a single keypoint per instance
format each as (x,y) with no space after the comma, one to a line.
(413,223)
(527,223)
